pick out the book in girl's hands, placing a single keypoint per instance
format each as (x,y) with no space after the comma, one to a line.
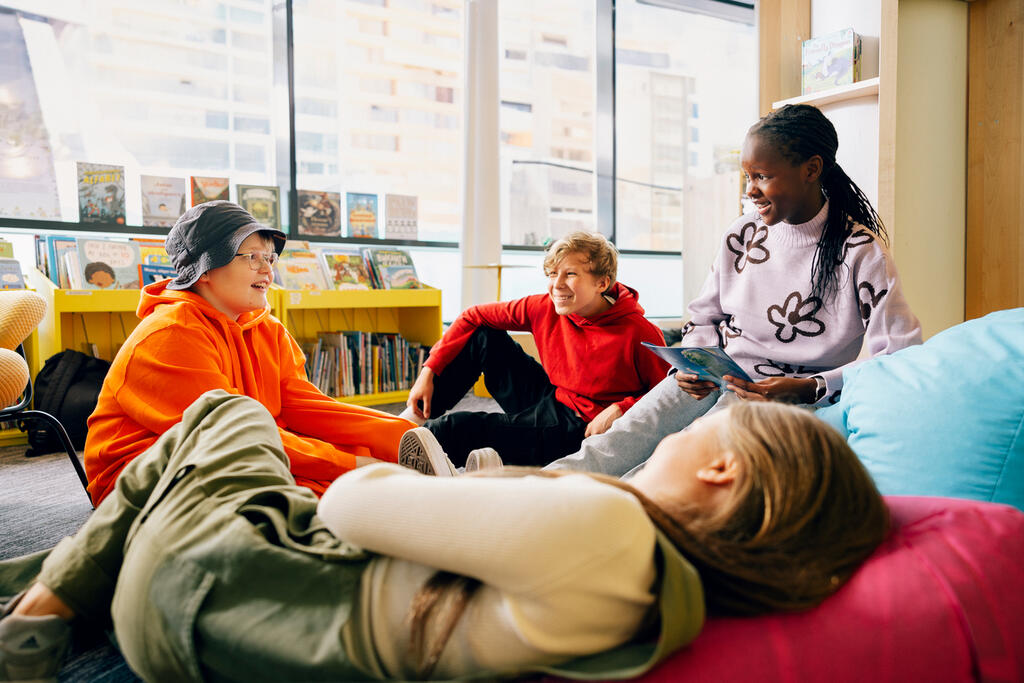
(392,268)
(100,193)
(707,362)
(345,268)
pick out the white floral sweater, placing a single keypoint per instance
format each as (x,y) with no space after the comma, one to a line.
(757,303)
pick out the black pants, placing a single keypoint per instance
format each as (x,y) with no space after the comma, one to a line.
(534,429)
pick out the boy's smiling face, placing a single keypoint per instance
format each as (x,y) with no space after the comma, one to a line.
(574,289)
(235,289)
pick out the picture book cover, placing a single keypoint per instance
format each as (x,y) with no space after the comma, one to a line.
(108,264)
(100,193)
(707,362)
(299,268)
(400,216)
(163,200)
(207,189)
(56,246)
(830,60)
(11,276)
(362,215)
(345,268)
(262,201)
(151,272)
(152,251)
(319,213)
(394,268)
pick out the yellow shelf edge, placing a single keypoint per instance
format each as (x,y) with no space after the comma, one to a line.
(374,399)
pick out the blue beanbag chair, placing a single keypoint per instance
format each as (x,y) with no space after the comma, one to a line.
(945,418)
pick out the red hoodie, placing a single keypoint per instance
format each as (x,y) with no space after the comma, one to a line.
(184,347)
(593,362)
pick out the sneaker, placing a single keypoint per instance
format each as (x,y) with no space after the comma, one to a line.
(31,648)
(483,459)
(419,450)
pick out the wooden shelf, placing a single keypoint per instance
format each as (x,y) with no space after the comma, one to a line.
(866,88)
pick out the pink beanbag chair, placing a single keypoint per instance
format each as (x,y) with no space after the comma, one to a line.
(942,599)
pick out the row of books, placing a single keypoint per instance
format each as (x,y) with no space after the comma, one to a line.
(303,267)
(108,263)
(350,363)
(101,193)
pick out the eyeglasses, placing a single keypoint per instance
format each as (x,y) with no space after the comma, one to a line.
(256,259)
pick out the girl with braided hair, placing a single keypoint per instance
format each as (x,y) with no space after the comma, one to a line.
(800,287)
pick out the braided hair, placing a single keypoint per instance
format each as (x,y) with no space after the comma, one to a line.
(800,131)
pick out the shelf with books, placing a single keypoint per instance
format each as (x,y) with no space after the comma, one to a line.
(81,319)
(865,88)
(415,314)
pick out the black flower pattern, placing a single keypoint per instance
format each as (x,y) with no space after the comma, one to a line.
(857,239)
(834,398)
(687,328)
(748,245)
(796,317)
(727,330)
(868,299)
(774,368)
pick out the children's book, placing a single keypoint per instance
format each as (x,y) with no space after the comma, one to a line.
(108,263)
(207,189)
(152,251)
(319,213)
(100,193)
(393,268)
(299,268)
(163,200)
(11,276)
(73,269)
(6,249)
(362,215)
(707,362)
(151,272)
(56,246)
(345,268)
(400,216)
(829,61)
(262,201)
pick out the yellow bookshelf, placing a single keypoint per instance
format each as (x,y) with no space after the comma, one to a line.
(78,318)
(413,313)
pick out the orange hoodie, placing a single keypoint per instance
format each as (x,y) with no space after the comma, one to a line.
(184,347)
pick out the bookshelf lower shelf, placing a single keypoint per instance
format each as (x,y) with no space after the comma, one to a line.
(13,437)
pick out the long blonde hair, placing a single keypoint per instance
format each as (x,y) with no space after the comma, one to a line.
(803,515)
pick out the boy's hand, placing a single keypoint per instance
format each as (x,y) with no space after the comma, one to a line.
(783,389)
(421,393)
(604,419)
(696,388)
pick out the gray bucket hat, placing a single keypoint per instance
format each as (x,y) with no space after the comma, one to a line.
(208,235)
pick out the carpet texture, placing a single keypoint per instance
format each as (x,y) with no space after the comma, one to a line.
(42,501)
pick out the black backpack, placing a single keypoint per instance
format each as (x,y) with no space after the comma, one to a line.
(68,388)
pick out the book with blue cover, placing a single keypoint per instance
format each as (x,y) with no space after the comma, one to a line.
(709,363)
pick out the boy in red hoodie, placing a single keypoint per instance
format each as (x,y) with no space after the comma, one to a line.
(588,330)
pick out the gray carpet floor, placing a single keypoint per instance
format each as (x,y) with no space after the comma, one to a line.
(42,501)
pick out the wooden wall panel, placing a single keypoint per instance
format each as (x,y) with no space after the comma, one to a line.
(995,157)
(783,25)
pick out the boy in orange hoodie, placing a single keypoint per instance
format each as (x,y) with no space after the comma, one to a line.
(211,328)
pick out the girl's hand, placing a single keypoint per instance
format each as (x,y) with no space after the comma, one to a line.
(696,388)
(782,389)
(604,419)
(421,392)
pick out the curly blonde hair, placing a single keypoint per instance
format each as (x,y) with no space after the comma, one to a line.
(600,254)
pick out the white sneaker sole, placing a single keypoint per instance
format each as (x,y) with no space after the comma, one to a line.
(420,451)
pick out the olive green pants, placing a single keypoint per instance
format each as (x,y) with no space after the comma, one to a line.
(210,560)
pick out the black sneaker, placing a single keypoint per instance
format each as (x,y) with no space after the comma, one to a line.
(31,648)
(419,450)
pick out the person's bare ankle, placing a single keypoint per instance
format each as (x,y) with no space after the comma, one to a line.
(40,601)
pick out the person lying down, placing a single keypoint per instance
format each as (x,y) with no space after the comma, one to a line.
(210,563)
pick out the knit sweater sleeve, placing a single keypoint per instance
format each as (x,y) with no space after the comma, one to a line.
(889,324)
(706,312)
(503,315)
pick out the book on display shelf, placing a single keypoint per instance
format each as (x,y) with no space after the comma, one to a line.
(830,61)
(391,268)
(362,215)
(163,200)
(208,189)
(300,268)
(262,201)
(345,268)
(319,213)
(107,264)
(100,193)
(400,216)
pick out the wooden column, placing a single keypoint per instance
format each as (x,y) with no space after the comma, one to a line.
(783,25)
(995,157)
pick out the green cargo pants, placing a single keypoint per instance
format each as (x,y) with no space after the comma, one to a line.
(209,558)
